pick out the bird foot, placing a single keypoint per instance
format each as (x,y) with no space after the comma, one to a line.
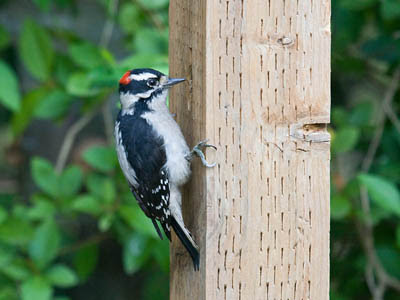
(197,150)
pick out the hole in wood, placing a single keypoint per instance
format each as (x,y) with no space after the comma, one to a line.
(233,272)
(240,259)
(224,291)
(226,254)
(218,271)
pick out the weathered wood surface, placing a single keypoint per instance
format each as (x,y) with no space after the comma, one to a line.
(259,88)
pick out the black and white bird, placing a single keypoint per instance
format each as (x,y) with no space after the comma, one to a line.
(153,153)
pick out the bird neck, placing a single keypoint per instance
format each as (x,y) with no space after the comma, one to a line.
(133,105)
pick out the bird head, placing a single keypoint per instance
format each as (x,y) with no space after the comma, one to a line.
(144,85)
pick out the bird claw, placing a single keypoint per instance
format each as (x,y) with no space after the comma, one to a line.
(197,150)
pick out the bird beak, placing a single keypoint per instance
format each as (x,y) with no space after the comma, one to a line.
(172,81)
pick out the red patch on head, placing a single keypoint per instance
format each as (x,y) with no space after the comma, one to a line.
(125,79)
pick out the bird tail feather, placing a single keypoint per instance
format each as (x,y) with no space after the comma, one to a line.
(187,241)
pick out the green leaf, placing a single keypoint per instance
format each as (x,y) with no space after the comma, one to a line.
(151,41)
(3,214)
(54,105)
(103,77)
(62,276)
(36,50)
(86,55)
(23,117)
(79,84)
(390,258)
(44,176)
(43,4)
(105,222)
(16,231)
(6,255)
(43,208)
(160,251)
(45,243)
(153,4)
(390,10)
(9,88)
(36,288)
(85,260)
(154,288)
(384,193)
(87,204)
(384,48)
(8,293)
(345,139)
(102,187)
(70,181)
(135,218)
(101,158)
(4,38)
(361,114)
(142,60)
(129,17)
(357,4)
(16,270)
(398,236)
(134,254)
(340,116)
(340,207)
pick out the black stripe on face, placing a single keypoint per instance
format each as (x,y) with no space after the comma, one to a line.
(135,87)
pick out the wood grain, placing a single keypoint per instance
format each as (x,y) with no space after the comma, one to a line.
(259,88)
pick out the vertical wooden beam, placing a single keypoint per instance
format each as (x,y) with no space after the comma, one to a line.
(259,88)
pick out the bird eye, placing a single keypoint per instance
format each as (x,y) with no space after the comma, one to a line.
(152,82)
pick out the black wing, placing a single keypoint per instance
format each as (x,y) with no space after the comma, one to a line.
(146,154)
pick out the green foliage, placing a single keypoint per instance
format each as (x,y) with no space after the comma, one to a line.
(101,158)
(345,139)
(52,235)
(36,50)
(9,89)
(61,276)
(36,288)
(365,54)
(54,105)
(45,243)
(382,192)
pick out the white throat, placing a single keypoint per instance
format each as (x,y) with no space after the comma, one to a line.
(157,103)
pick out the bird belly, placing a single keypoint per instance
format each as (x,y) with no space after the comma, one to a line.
(176,149)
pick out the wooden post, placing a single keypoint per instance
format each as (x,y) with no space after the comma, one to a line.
(259,88)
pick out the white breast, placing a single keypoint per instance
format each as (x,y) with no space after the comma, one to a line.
(175,145)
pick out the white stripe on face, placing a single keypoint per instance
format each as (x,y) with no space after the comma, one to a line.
(142,76)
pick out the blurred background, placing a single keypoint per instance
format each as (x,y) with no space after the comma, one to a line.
(69,227)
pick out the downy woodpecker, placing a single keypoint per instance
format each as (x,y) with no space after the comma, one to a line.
(153,153)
